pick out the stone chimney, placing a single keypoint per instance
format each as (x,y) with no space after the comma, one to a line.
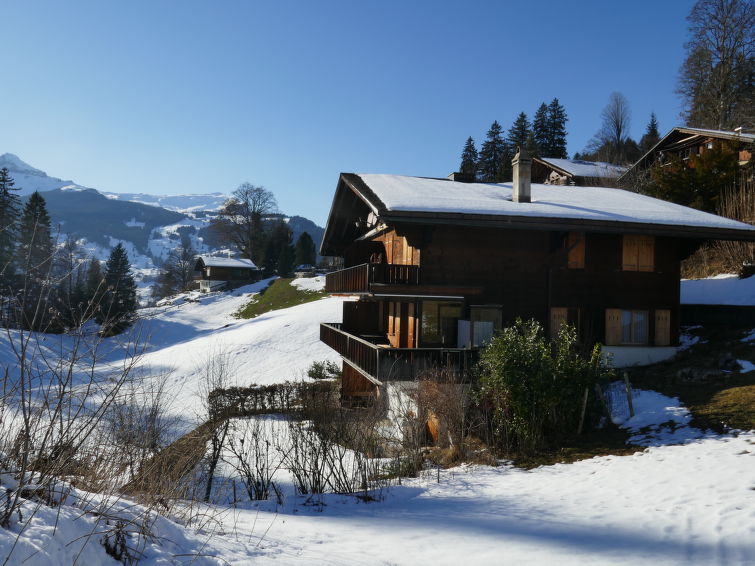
(522,165)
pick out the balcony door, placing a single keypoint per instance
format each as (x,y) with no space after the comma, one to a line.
(402,324)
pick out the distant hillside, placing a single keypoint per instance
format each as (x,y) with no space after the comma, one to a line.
(86,213)
(178,203)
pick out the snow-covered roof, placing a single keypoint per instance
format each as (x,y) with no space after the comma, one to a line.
(213,261)
(726,134)
(405,194)
(580,168)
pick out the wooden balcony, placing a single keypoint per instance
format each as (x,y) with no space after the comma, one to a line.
(379,363)
(365,277)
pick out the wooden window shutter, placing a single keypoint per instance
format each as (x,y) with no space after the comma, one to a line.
(613,327)
(390,318)
(576,246)
(662,327)
(646,249)
(630,255)
(559,316)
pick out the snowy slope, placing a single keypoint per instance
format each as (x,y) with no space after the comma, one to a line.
(724,289)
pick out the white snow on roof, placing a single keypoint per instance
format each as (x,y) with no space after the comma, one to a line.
(211,261)
(417,194)
(580,168)
(746,137)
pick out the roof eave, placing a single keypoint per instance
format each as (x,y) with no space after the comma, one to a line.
(569,224)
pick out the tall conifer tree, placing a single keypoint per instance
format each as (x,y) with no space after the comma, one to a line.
(651,136)
(305,250)
(117,309)
(556,127)
(519,132)
(540,131)
(10,206)
(491,154)
(469,159)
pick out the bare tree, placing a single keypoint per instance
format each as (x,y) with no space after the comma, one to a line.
(612,142)
(241,220)
(716,78)
(178,270)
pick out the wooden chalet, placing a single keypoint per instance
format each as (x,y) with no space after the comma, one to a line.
(686,142)
(436,266)
(215,273)
(553,171)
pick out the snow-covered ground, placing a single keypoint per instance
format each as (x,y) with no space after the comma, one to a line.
(724,289)
(690,503)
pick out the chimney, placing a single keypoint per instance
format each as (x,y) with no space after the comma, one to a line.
(522,165)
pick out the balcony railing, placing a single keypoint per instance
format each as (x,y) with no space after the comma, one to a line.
(394,364)
(361,278)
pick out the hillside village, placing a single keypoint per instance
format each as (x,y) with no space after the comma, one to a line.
(528,355)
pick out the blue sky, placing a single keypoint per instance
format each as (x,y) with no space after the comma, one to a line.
(174,97)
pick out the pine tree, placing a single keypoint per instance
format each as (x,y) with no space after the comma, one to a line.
(34,257)
(519,132)
(556,127)
(35,250)
(305,250)
(469,158)
(540,131)
(279,237)
(491,154)
(117,310)
(95,284)
(286,260)
(651,136)
(10,206)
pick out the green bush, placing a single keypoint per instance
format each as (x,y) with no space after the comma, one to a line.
(533,387)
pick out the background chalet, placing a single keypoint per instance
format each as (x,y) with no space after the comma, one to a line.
(438,265)
(214,273)
(553,171)
(686,142)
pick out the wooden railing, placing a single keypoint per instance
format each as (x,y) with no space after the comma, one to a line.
(360,278)
(395,364)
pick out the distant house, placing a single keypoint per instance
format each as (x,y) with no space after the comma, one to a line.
(553,171)
(215,273)
(686,142)
(438,265)
(304,270)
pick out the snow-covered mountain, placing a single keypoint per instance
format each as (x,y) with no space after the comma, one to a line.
(30,179)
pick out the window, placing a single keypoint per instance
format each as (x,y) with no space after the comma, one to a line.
(639,253)
(575,247)
(626,327)
(439,323)
(485,320)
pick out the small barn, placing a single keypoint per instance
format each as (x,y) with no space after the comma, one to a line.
(553,171)
(216,273)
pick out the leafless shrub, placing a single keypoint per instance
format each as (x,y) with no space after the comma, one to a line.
(255,457)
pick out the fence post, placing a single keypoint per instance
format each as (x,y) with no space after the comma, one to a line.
(628,388)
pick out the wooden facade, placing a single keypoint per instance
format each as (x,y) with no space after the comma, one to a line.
(617,283)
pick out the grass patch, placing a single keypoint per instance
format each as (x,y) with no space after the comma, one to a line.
(608,441)
(724,399)
(280,294)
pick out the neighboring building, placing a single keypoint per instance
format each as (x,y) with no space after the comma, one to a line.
(304,270)
(215,273)
(553,171)
(686,142)
(438,265)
